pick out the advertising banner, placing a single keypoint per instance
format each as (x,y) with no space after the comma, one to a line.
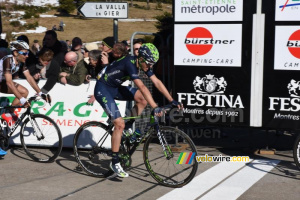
(282,65)
(68,108)
(287,48)
(287,10)
(208,44)
(213,96)
(212,10)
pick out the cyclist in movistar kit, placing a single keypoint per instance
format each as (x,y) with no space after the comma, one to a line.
(9,65)
(108,88)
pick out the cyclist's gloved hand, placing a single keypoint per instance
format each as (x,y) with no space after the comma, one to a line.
(46,97)
(158,111)
(177,104)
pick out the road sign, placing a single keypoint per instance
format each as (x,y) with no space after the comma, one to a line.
(104,10)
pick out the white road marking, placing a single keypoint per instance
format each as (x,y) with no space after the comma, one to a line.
(204,181)
(236,185)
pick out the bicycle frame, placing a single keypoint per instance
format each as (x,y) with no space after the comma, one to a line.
(18,122)
(20,119)
(153,125)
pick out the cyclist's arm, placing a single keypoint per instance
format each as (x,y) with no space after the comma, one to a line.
(145,92)
(31,81)
(161,87)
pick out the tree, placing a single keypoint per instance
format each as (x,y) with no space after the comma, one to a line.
(67,6)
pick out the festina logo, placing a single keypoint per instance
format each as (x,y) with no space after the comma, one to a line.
(284,104)
(291,103)
(210,93)
(218,101)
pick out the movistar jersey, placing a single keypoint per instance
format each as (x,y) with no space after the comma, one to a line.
(119,71)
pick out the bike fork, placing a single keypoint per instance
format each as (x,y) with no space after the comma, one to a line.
(163,142)
(37,131)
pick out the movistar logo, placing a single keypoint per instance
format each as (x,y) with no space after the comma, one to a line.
(104,100)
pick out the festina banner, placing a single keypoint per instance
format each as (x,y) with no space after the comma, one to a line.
(282,65)
(213,61)
(213,95)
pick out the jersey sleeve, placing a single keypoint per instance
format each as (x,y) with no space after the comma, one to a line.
(132,69)
(7,66)
(149,73)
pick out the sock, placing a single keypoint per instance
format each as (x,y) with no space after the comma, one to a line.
(115,158)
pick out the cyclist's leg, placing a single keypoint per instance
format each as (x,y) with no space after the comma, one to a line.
(105,96)
(129,93)
(21,89)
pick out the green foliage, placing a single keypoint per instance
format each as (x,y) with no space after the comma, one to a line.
(141,7)
(31,25)
(66,6)
(30,13)
(15,23)
(35,9)
(159,6)
(148,39)
(164,22)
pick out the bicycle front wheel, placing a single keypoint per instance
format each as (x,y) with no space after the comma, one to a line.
(41,138)
(92,148)
(296,151)
(167,167)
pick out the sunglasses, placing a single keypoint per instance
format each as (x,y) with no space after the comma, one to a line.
(23,53)
(142,60)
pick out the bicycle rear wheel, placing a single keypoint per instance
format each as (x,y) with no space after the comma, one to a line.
(41,138)
(168,170)
(296,151)
(92,149)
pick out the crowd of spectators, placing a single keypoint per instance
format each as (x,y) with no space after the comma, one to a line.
(67,62)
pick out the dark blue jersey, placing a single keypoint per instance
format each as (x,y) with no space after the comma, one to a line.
(119,71)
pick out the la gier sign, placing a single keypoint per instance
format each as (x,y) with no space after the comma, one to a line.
(104,10)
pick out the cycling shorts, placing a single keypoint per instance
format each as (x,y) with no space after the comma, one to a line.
(106,96)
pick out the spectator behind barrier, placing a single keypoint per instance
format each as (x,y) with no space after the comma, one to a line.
(76,47)
(87,48)
(72,72)
(35,48)
(95,64)
(43,69)
(137,43)
(106,48)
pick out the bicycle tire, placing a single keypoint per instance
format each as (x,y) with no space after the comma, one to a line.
(92,158)
(46,148)
(165,171)
(296,151)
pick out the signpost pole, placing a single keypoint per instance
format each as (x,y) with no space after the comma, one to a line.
(116,30)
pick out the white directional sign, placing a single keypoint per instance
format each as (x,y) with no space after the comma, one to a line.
(104,10)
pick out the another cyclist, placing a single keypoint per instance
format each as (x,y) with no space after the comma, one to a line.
(9,65)
(108,88)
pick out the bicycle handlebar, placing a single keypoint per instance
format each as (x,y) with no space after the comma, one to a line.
(31,99)
(168,108)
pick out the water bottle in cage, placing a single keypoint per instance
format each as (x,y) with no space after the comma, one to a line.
(135,136)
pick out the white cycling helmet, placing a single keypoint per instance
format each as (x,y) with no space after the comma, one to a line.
(19,45)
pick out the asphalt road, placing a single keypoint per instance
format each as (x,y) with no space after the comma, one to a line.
(264,177)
